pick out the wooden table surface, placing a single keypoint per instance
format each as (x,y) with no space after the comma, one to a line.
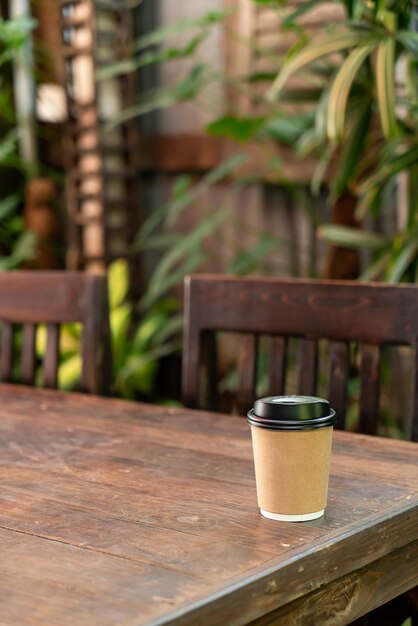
(120,513)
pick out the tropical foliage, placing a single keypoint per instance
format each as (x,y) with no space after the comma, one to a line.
(16,244)
(365,126)
(357,111)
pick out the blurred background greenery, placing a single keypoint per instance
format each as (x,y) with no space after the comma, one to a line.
(335,104)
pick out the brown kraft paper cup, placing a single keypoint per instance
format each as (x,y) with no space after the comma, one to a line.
(292,458)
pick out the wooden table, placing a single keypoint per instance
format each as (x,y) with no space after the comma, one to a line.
(120,513)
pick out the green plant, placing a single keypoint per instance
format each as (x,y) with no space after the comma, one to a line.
(145,332)
(16,244)
(364,125)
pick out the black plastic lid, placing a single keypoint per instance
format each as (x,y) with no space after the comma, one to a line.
(292,413)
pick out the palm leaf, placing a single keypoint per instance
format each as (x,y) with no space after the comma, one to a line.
(314,51)
(340,90)
(403,260)
(159,35)
(401,162)
(352,148)
(385,83)
(127,66)
(375,270)
(348,237)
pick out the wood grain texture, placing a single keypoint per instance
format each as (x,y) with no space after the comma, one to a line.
(277,366)
(337,379)
(308,368)
(247,372)
(51,357)
(28,354)
(370,314)
(369,388)
(352,595)
(53,299)
(116,512)
(6,355)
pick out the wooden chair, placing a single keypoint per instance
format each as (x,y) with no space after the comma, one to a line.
(371,314)
(55,298)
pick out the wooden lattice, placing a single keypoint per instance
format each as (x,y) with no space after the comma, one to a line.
(101,184)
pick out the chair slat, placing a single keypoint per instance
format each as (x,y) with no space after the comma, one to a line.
(277,366)
(247,372)
(51,358)
(28,354)
(308,367)
(6,360)
(339,364)
(209,355)
(369,388)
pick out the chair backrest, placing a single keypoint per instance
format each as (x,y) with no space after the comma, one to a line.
(370,314)
(31,298)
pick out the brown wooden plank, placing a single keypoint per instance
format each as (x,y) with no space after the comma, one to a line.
(28,354)
(6,363)
(339,353)
(191,345)
(277,366)
(308,367)
(353,595)
(101,485)
(30,298)
(337,310)
(181,152)
(209,361)
(369,388)
(51,358)
(96,353)
(34,297)
(309,310)
(61,584)
(247,372)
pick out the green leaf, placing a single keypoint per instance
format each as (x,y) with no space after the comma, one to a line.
(385,83)
(240,129)
(340,90)
(289,128)
(8,144)
(70,339)
(9,204)
(127,66)
(69,372)
(314,51)
(352,148)
(181,200)
(321,170)
(164,275)
(171,327)
(40,340)
(409,41)
(307,6)
(120,320)
(348,237)
(185,89)
(406,158)
(403,260)
(118,283)
(249,260)
(376,269)
(159,35)
(23,250)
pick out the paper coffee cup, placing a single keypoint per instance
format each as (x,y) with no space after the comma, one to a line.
(292,451)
